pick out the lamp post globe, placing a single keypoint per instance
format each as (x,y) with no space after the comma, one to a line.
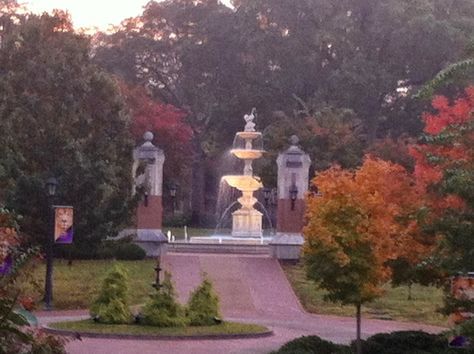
(51,185)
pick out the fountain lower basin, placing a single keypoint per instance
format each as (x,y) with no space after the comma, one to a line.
(226,239)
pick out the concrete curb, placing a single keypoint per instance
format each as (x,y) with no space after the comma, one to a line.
(76,334)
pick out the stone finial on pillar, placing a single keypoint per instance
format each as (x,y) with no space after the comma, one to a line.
(293,181)
(147,173)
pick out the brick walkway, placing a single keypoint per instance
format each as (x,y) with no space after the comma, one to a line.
(251,289)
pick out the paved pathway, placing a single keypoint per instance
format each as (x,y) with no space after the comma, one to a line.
(251,289)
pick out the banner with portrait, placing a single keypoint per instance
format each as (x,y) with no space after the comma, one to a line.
(63,222)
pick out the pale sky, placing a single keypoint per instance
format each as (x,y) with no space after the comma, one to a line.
(92,13)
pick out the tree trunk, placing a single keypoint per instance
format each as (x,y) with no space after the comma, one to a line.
(358,342)
(197,184)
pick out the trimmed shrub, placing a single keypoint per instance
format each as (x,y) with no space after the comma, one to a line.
(203,305)
(111,306)
(162,310)
(312,345)
(404,342)
(128,252)
(120,249)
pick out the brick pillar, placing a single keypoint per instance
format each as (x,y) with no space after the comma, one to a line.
(290,220)
(150,216)
(147,173)
(293,181)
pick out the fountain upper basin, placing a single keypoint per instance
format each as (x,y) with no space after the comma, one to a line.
(247,154)
(243,183)
(248,135)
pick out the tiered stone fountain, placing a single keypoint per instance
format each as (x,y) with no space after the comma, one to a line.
(246,221)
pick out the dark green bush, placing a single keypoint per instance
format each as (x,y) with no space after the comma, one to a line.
(404,342)
(312,345)
(466,328)
(162,310)
(203,305)
(121,250)
(128,252)
(178,220)
(111,306)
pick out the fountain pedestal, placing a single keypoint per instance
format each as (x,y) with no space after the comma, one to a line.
(247,223)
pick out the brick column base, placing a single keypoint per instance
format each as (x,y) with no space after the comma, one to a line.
(288,220)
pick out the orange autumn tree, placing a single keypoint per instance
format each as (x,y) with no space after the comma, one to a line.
(361,220)
(444,169)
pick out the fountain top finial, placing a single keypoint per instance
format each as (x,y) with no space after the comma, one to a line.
(250,126)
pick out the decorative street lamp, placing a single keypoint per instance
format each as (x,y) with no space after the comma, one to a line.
(266,196)
(293,195)
(157,269)
(51,185)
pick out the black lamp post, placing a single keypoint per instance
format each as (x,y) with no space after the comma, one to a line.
(51,185)
(293,195)
(158,269)
(173,188)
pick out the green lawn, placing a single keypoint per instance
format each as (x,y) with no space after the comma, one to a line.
(75,286)
(223,328)
(393,305)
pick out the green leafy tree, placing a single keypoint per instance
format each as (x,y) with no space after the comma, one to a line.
(61,116)
(161,309)
(111,306)
(203,305)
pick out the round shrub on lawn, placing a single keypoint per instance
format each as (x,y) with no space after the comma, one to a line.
(203,305)
(312,345)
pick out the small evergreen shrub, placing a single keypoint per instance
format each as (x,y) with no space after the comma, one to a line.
(203,305)
(111,306)
(162,310)
(312,345)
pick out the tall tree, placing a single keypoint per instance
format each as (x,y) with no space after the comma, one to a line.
(180,51)
(361,220)
(61,116)
(216,63)
(445,170)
